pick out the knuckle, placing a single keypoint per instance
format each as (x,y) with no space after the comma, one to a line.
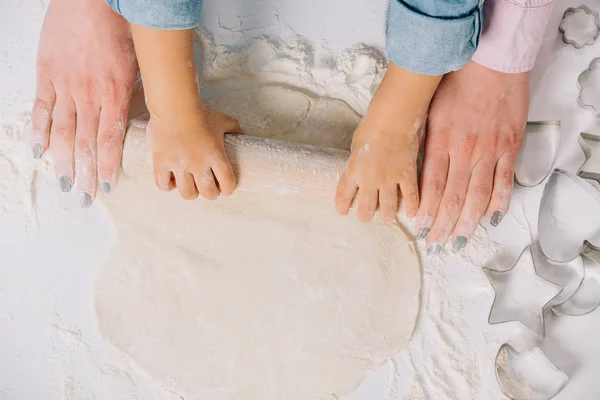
(454,201)
(435,187)
(112,138)
(43,104)
(481,193)
(470,142)
(63,134)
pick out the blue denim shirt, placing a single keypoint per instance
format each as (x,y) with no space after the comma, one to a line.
(430,37)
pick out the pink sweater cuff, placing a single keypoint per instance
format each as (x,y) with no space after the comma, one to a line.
(513,32)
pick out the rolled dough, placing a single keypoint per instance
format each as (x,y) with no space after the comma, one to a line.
(254,297)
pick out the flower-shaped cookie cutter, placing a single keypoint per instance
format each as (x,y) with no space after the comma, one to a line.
(528,375)
(580,26)
(589,85)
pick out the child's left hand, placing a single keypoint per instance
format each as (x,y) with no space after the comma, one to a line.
(382,161)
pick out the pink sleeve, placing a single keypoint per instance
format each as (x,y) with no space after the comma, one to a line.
(513,32)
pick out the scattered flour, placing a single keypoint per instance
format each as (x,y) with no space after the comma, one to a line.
(16,169)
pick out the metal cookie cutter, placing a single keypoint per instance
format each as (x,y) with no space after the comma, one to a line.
(590,144)
(528,375)
(569,215)
(580,26)
(589,81)
(538,152)
(569,276)
(586,298)
(508,286)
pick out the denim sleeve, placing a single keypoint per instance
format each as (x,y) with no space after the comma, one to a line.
(159,14)
(433,37)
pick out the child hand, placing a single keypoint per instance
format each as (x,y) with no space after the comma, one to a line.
(385,147)
(382,161)
(188,153)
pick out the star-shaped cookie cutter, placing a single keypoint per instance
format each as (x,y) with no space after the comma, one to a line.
(518,387)
(590,283)
(570,22)
(590,144)
(584,79)
(497,278)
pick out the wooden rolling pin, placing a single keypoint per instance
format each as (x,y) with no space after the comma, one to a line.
(261,165)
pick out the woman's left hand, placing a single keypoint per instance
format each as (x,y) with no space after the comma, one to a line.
(474,134)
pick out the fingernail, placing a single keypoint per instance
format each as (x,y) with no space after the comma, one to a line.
(105,187)
(37,151)
(496,218)
(459,243)
(434,250)
(422,233)
(65,183)
(86,200)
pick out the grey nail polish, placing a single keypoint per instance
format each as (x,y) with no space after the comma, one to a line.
(459,243)
(37,151)
(422,233)
(65,184)
(496,218)
(105,187)
(434,250)
(86,200)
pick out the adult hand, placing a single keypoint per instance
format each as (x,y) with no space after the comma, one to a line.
(86,69)
(475,129)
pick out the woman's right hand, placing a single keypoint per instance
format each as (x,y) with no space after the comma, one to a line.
(86,70)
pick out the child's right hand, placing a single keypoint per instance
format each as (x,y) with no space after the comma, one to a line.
(188,153)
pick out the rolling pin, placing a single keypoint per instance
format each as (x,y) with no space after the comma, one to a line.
(261,165)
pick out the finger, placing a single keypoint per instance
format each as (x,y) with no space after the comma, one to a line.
(503,188)
(186,185)
(225,178)
(476,203)
(451,206)
(433,183)
(165,180)
(111,134)
(346,190)
(410,192)
(85,152)
(388,202)
(232,125)
(367,203)
(41,116)
(206,184)
(62,141)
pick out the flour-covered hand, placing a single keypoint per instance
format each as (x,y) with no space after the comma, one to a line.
(474,134)
(188,153)
(86,69)
(383,163)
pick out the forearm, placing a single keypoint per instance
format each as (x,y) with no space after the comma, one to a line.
(402,99)
(433,37)
(166,60)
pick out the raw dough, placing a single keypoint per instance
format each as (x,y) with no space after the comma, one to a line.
(254,297)
(285,114)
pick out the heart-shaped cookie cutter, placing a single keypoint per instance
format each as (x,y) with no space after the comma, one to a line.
(569,215)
